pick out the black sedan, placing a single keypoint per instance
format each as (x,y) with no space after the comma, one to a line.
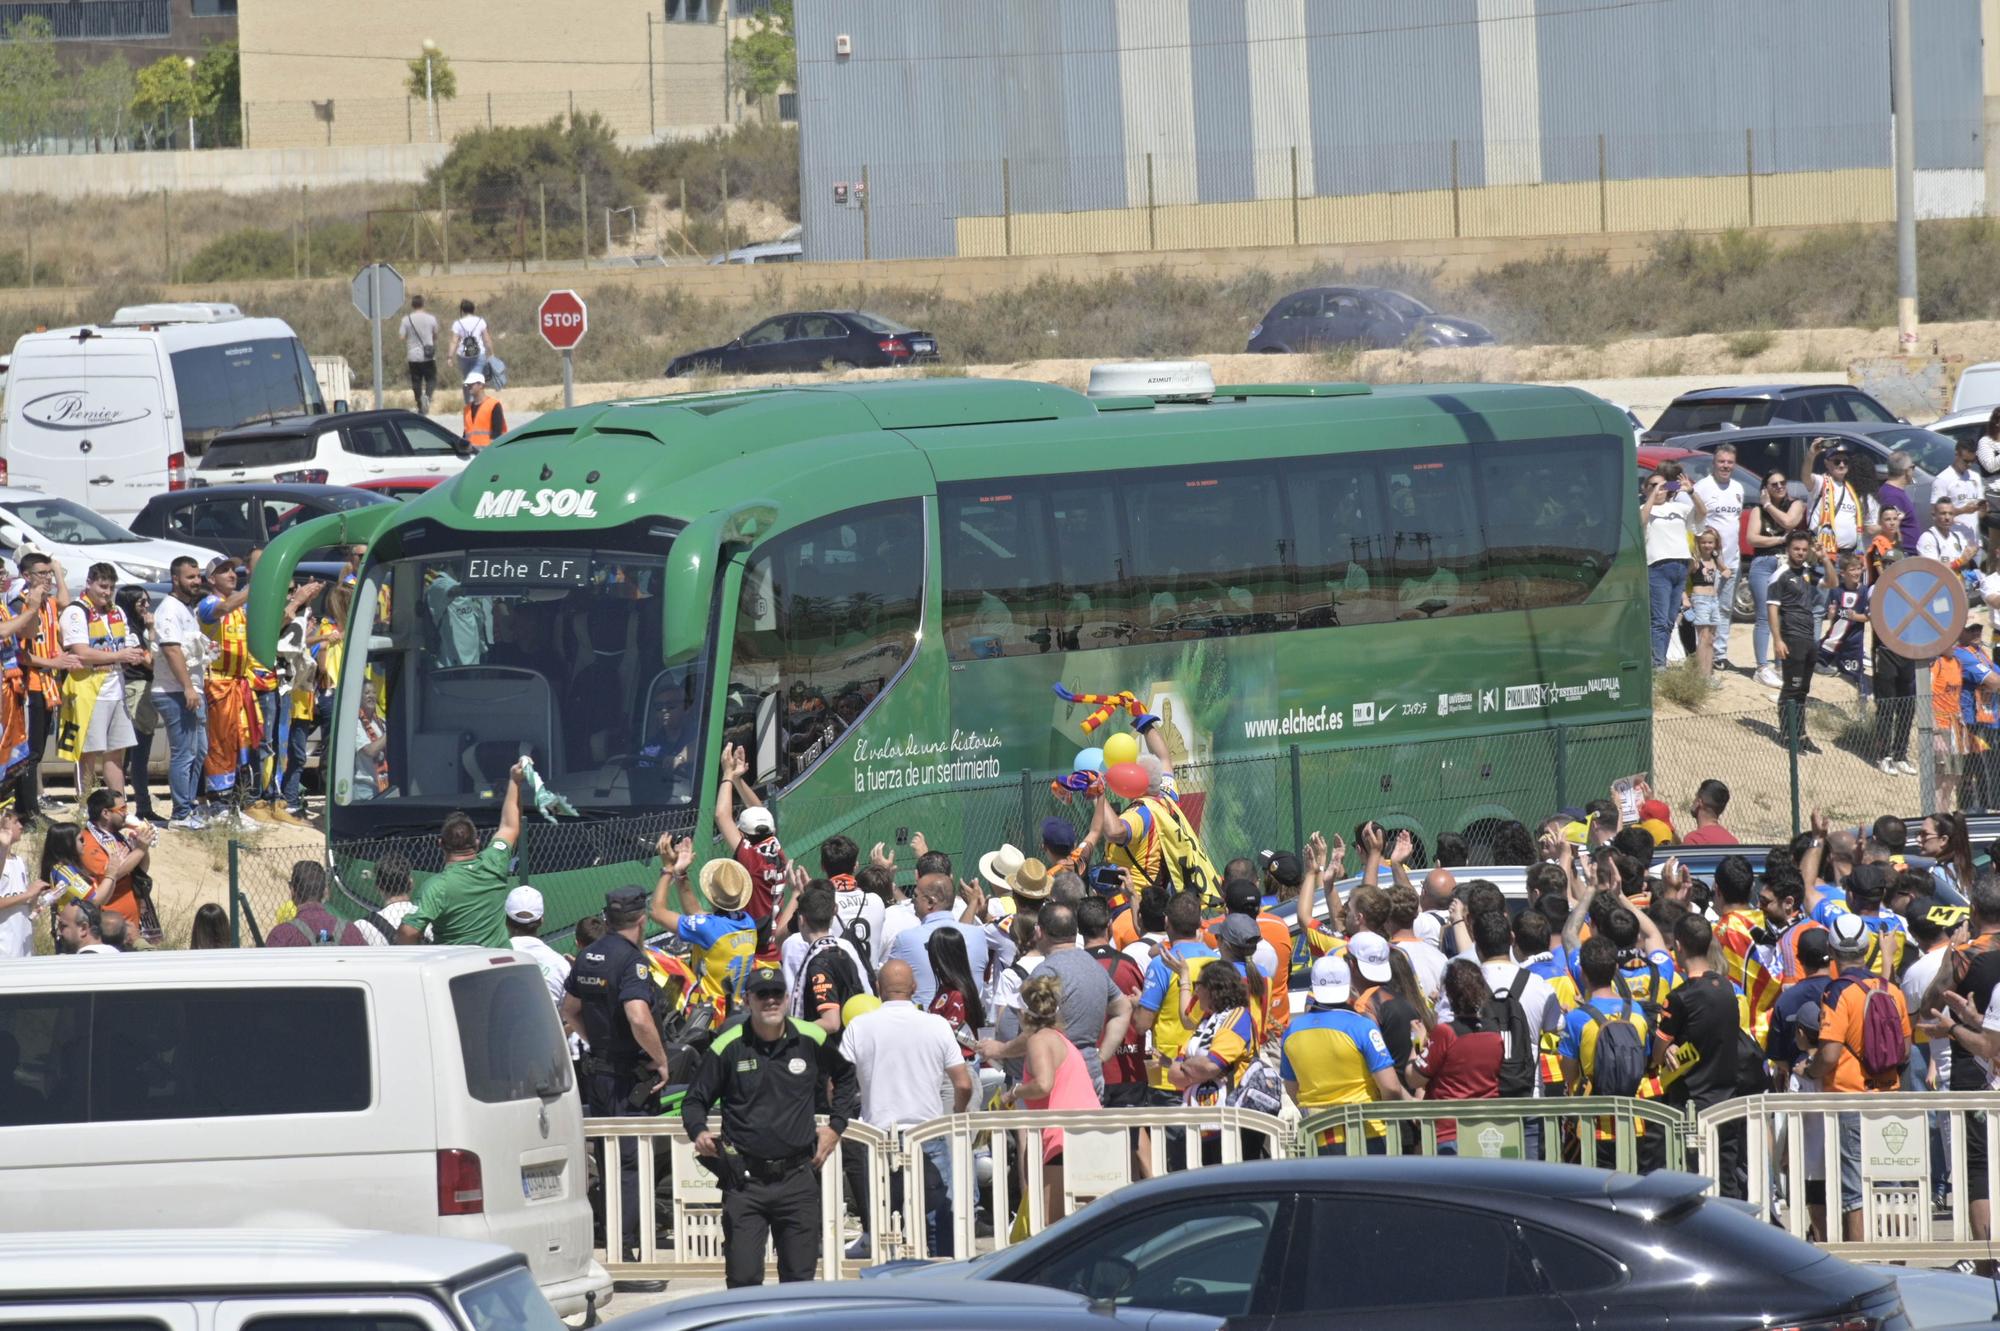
(913,1304)
(1419,1243)
(1324,317)
(815,339)
(236,519)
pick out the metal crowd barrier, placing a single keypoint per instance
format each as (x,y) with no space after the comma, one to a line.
(1605,1131)
(1909,1142)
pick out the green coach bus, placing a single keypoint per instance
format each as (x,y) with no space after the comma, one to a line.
(1422,603)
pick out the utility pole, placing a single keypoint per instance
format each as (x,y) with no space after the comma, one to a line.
(1902,97)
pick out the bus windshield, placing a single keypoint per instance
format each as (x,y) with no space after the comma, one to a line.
(258,380)
(462,662)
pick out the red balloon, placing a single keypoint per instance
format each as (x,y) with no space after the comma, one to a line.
(1127,779)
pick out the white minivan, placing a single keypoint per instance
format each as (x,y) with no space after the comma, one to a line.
(111,414)
(422,1090)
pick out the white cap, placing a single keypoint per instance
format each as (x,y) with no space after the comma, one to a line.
(756,821)
(524,905)
(1370,955)
(1849,935)
(475,378)
(1331,982)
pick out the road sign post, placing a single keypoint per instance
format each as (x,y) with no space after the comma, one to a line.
(378,293)
(1917,611)
(564,319)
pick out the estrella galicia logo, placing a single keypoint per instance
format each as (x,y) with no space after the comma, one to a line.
(71,409)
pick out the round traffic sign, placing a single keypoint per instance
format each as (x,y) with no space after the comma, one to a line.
(1918,608)
(563,319)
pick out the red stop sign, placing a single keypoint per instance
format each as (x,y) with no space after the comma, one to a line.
(563,319)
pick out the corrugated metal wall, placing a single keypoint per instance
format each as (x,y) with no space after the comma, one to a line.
(996,116)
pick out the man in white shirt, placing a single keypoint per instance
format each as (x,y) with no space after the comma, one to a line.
(180,666)
(1723,499)
(1961,484)
(1834,502)
(903,1057)
(524,935)
(420,334)
(1949,539)
(816,931)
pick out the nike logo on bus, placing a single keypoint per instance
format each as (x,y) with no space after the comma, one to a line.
(545,504)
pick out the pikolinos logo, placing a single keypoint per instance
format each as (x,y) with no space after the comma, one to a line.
(72,409)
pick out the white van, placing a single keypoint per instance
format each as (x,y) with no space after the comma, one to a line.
(110,414)
(423,1090)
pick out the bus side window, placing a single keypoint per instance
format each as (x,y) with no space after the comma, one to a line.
(1343,542)
(999,595)
(1208,552)
(827,616)
(1436,548)
(1095,600)
(1551,519)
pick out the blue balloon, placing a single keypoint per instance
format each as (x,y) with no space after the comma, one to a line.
(1090,760)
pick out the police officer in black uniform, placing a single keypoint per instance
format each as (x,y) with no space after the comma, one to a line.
(609,1001)
(772,1073)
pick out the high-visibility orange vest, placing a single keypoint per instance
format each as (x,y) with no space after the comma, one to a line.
(479,422)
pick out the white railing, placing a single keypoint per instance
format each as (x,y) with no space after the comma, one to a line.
(1792,1141)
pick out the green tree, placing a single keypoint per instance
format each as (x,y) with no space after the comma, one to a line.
(495,177)
(218,79)
(169,91)
(443,78)
(30,81)
(766,57)
(102,94)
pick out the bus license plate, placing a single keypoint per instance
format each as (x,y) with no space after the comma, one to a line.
(542,1184)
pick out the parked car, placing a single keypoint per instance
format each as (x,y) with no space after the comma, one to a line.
(1963,427)
(1785,448)
(1366,316)
(236,519)
(79,538)
(1978,386)
(400,487)
(336,448)
(1745,408)
(1934,1298)
(423,1090)
(777,251)
(838,339)
(258,1278)
(1532,1246)
(912,1304)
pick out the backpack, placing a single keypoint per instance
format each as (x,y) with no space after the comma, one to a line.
(1884,1046)
(1655,996)
(1521,1062)
(469,348)
(1621,1055)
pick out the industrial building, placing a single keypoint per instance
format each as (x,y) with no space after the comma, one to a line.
(1025,127)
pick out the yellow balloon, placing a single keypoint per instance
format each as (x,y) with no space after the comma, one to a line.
(855,1006)
(1121,748)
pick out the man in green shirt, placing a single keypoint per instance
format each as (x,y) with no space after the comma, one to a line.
(465,903)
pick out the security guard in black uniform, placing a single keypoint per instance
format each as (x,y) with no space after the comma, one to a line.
(609,1001)
(772,1073)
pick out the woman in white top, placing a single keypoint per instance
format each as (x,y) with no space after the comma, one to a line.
(1989,458)
(1668,506)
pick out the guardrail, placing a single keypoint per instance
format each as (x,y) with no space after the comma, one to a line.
(1604,1131)
(1792,1142)
(1891,1164)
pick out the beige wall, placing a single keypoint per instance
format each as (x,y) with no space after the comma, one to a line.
(517,62)
(1705,203)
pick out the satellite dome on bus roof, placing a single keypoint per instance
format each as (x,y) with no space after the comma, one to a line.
(1161,380)
(177,312)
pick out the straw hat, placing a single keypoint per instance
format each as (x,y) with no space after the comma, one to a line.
(726,884)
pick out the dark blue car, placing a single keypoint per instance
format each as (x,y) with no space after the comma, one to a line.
(1324,317)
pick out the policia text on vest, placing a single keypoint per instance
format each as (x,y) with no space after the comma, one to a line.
(771,1074)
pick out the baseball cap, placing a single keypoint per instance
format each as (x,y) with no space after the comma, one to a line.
(1850,936)
(1813,948)
(475,378)
(765,980)
(1241,897)
(1370,955)
(524,905)
(1282,865)
(1238,931)
(1058,835)
(625,898)
(1331,982)
(1942,915)
(756,821)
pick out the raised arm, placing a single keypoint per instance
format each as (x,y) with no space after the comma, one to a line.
(510,807)
(734,765)
(675,857)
